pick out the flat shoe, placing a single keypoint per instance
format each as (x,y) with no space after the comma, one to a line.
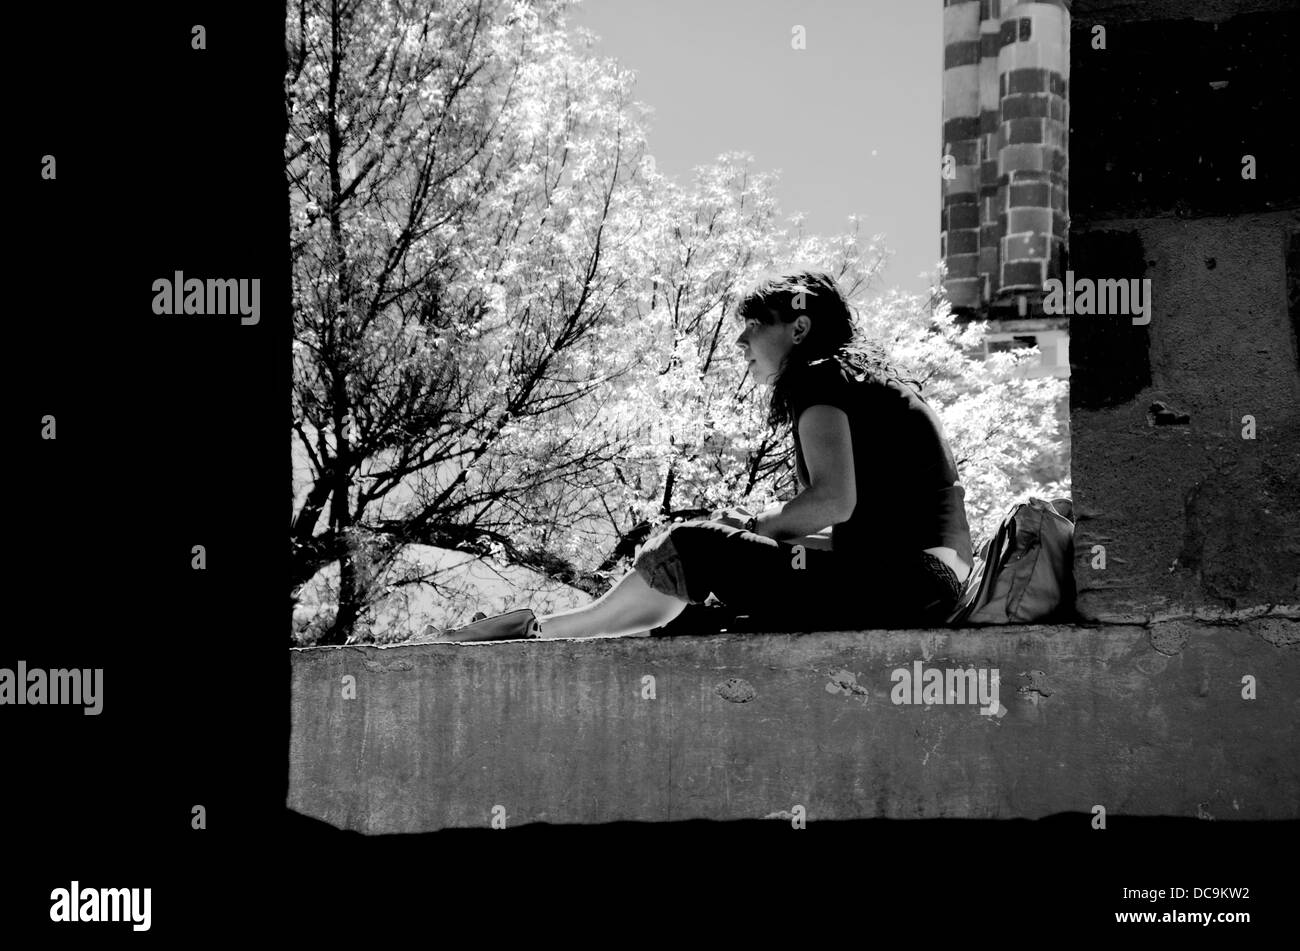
(513,625)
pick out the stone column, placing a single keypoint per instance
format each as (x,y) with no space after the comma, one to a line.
(959,221)
(1033,68)
(1005,121)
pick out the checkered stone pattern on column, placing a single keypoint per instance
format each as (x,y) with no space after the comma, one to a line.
(989,207)
(1006,120)
(959,241)
(1032,141)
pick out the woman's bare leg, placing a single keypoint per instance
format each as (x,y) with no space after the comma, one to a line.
(631,606)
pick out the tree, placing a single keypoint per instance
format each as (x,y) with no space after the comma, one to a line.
(461,245)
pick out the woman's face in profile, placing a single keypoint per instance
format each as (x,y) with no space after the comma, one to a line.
(765,346)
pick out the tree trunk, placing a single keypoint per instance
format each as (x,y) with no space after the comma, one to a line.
(349,605)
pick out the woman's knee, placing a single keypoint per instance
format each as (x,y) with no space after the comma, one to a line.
(671,561)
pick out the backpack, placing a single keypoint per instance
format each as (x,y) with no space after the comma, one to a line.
(1026,570)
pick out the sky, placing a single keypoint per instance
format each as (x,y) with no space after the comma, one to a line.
(853,121)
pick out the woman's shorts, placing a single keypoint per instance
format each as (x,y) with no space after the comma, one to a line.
(791,587)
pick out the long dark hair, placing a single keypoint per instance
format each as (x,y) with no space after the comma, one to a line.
(834,335)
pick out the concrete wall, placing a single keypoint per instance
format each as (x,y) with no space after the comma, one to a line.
(1191,515)
(1140,721)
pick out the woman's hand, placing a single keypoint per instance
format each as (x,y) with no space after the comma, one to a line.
(737,516)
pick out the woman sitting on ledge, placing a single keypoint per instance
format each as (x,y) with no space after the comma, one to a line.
(873,464)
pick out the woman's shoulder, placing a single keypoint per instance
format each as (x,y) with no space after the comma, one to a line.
(860,388)
(822,378)
(840,374)
(834,369)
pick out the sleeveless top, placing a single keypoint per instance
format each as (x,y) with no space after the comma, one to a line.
(908,494)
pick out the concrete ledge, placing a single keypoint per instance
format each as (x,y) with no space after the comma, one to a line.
(1143,721)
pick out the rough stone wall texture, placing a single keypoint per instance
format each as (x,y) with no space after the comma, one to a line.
(1191,515)
(1004,214)
(1142,721)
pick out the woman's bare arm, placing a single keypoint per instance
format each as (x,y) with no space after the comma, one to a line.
(768,519)
(831,495)
(820,540)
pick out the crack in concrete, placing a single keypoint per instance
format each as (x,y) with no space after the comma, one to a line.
(375,667)
(925,759)
(1215,616)
(846,682)
(1037,684)
(1169,638)
(735,690)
